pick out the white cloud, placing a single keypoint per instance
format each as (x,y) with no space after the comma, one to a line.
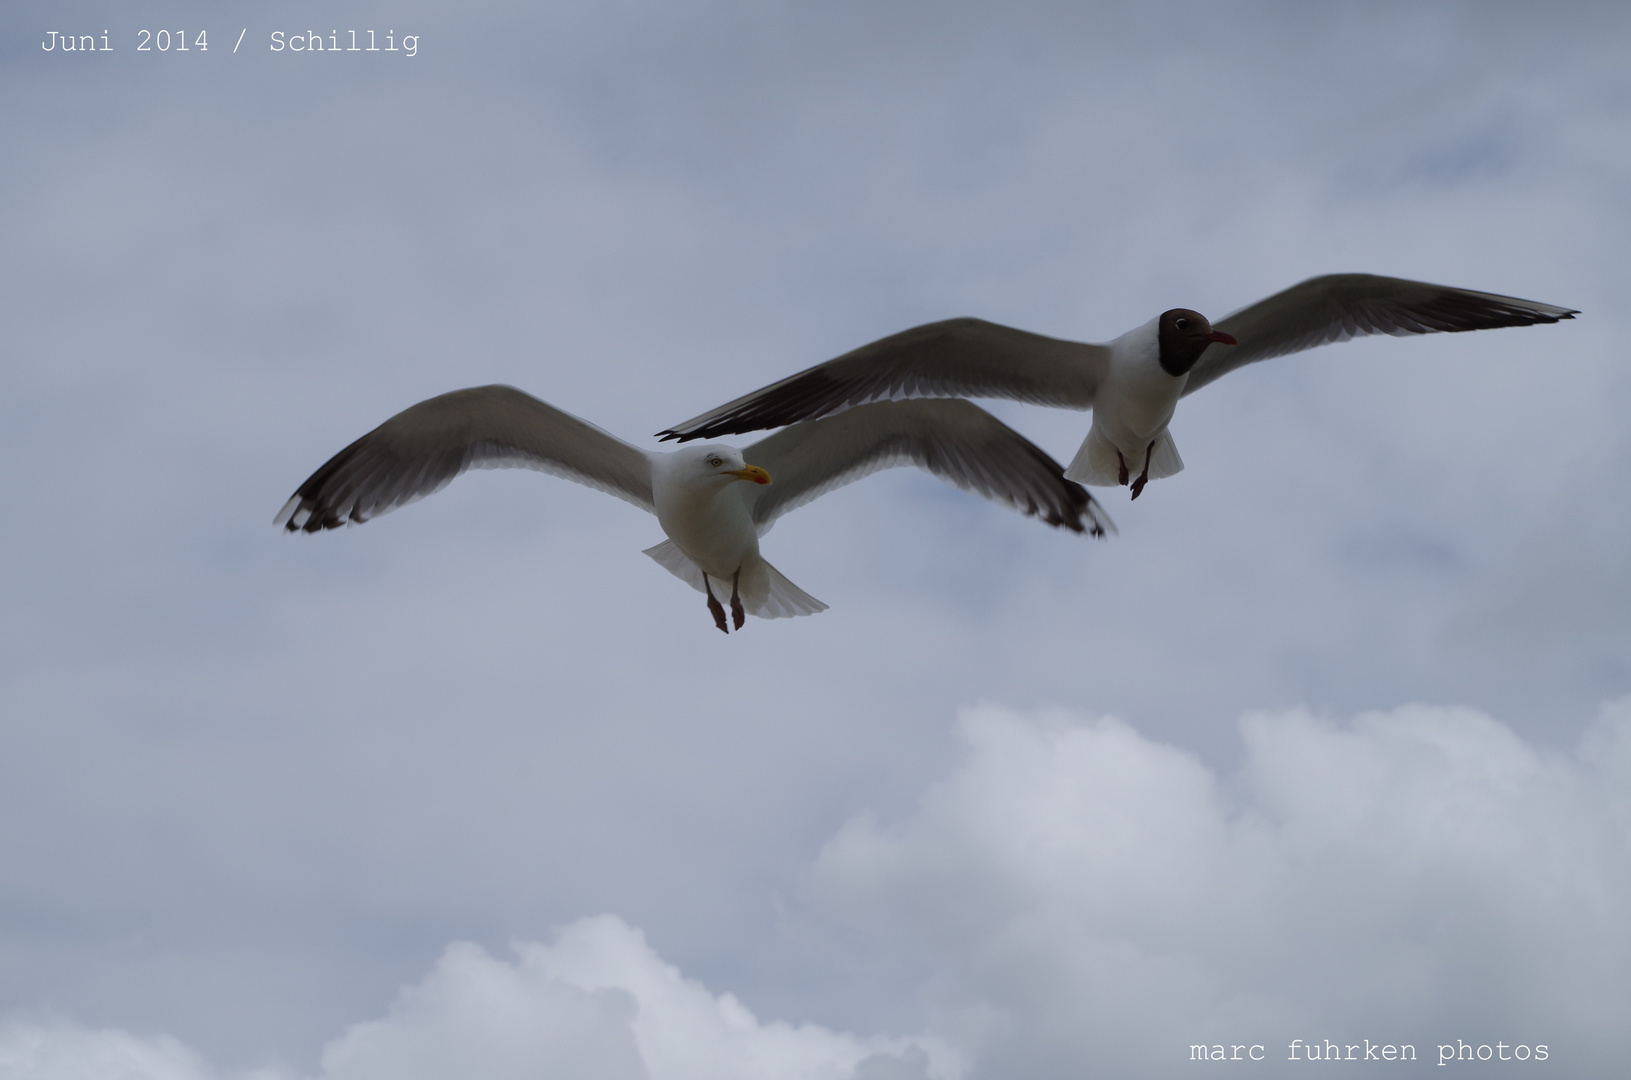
(1077,896)
(57,1049)
(597,1004)
(1103,901)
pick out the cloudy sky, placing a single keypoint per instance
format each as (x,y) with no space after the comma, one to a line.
(1332,742)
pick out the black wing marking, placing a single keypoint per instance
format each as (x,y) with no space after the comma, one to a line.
(954,358)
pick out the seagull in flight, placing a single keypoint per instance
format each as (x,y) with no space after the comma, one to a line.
(1133,383)
(710,502)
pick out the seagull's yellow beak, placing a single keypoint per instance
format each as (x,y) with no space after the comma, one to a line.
(750,472)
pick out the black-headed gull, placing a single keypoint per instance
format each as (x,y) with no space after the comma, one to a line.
(1133,383)
(710,502)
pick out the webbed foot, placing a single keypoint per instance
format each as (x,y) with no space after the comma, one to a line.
(715,608)
(1143,477)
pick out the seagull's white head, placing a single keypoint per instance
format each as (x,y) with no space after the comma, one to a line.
(1182,336)
(723,462)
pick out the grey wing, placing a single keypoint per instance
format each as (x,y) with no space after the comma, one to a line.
(955,440)
(954,358)
(1337,307)
(420,450)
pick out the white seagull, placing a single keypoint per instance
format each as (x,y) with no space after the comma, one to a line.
(711,503)
(1133,383)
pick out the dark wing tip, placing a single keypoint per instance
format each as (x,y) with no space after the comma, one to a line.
(1073,506)
(329,498)
(1520,313)
(1086,513)
(309,513)
(1455,310)
(808,395)
(701,431)
(1099,524)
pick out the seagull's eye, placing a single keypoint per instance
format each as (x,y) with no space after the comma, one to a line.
(715,463)
(1182,324)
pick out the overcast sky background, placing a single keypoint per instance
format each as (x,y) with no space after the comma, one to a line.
(1331,742)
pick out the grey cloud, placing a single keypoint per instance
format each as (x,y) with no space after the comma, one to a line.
(1413,877)
(1073,894)
(594,1004)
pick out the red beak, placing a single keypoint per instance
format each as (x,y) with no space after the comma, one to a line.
(1221,338)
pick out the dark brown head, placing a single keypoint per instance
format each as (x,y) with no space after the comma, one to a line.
(1182,337)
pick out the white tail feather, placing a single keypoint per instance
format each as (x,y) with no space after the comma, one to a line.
(773,596)
(669,556)
(763,589)
(1097,463)
(1164,459)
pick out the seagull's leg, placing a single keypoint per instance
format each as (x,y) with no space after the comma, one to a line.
(1121,476)
(738,616)
(715,609)
(1144,477)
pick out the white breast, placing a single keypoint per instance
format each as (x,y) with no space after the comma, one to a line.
(1131,411)
(1137,399)
(705,516)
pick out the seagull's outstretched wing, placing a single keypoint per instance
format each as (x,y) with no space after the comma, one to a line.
(421,449)
(957,441)
(1337,307)
(954,358)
